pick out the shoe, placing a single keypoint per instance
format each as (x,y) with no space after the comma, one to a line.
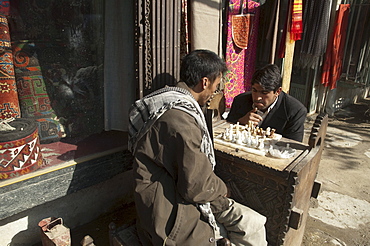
(223,242)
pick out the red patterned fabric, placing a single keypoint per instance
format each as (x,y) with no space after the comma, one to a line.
(9,104)
(240,29)
(33,95)
(4,7)
(21,153)
(296,27)
(240,62)
(332,68)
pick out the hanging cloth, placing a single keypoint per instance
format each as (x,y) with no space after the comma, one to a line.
(281,50)
(296,27)
(332,68)
(205,25)
(240,62)
(316,17)
(240,27)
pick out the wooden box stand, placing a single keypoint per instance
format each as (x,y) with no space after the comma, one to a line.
(280,189)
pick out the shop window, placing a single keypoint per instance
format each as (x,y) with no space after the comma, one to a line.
(59,50)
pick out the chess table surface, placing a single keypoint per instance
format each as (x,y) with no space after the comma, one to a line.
(268,161)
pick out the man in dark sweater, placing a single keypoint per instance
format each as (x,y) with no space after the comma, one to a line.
(268,106)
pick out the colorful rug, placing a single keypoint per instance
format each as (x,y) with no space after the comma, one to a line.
(4,7)
(240,62)
(9,104)
(33,95)
(20,151)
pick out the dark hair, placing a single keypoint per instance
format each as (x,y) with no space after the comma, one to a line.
(268,77)
(199,64)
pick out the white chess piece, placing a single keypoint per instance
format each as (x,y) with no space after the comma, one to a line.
(226,134)
(247,139)
(233,138)
(244,135)
(231,132)
(254,141)
(268,131)
(238,138)
(262,143)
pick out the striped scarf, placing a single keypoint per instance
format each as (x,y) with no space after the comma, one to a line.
(296,27)
(145,112)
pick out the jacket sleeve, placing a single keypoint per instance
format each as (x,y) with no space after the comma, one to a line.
(239,108)
(196,181)
(295,126)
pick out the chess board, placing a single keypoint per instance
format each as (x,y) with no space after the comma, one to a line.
(244,138)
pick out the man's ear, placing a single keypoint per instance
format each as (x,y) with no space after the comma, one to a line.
(205,82)
(278,91)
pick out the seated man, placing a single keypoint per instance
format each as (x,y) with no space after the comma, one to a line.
(179,199)
(268,106)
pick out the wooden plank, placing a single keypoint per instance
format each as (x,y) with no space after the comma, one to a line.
(304,173)
(288,64)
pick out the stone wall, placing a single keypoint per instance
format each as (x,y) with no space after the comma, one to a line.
(78,194)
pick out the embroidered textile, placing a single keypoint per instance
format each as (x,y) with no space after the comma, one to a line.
(5,7)
(21,152)
(33,95)
(240,62)
(240,29)
(9,104)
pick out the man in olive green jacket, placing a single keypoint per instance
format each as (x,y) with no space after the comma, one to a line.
(179,199)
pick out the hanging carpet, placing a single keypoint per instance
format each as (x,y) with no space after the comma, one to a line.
(240,61)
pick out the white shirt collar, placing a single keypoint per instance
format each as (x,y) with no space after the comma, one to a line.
(264,114)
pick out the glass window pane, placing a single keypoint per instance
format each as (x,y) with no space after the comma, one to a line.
(58,58)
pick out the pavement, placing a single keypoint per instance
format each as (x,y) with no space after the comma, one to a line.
(341,213)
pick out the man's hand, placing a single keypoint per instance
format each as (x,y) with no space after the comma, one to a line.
(251,116)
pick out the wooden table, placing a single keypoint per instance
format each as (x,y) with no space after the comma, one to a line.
(280,189)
